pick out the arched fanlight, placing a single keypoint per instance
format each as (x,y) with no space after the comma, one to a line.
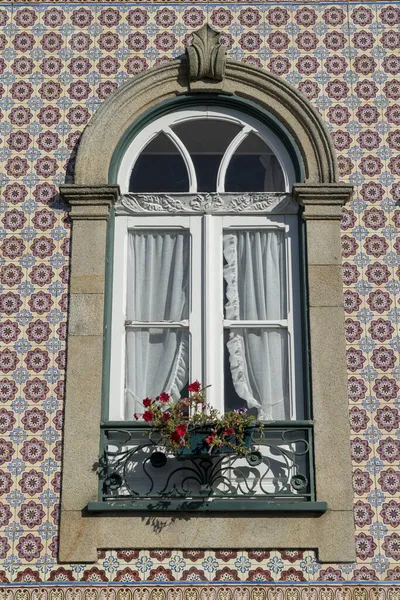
(203,150)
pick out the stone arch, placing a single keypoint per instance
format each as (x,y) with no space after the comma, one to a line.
(291,113)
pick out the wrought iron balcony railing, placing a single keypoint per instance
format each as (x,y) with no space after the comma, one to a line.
(136,474)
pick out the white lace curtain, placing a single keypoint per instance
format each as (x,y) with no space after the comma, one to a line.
(256,290)
(157,359)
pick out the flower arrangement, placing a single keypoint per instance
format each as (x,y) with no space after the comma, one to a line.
(177,421)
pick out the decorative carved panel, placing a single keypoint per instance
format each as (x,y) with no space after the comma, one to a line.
(208,203)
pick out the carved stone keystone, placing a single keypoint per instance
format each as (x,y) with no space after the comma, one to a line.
(206,55)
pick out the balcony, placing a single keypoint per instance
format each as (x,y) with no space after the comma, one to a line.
(136,474)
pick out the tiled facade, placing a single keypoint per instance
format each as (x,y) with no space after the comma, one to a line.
(58,62)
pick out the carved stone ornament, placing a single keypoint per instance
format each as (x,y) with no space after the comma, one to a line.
(208,203)
(206,55)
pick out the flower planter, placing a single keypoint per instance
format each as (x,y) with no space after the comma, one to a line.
(199,447)
(184,425)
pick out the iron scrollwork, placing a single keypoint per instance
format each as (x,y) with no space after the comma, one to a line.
(136,468)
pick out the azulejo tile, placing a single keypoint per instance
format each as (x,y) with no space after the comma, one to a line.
(60,62)
(362,590)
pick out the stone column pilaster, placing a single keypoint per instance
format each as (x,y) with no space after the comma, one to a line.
(322,205)
(90,208)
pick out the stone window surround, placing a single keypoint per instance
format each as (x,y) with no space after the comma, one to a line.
(91,199)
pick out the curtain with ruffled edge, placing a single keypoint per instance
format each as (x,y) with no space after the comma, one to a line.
(255,278)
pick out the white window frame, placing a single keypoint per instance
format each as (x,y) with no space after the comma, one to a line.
(206,321)
(164,125)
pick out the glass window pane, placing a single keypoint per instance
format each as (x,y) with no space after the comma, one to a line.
(206,141)
(158,275)
(254,168)
(257,372)
(159,168)
(204,136)
(157,360)
(255,275)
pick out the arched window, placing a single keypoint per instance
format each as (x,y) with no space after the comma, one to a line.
(206,267)
(206,150)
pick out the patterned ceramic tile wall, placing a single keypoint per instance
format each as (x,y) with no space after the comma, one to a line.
(199,591)
(58,63)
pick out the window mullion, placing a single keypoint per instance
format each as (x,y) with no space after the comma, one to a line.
(223,167)
(195,312)
(186,157)
(213,329)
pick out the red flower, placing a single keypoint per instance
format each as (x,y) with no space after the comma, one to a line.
(194,387)
(147,402)
(229,431)
(164,397)
(148,415)
(166,415)
(181,430)
(175,437)
(209,440)
(136,416)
